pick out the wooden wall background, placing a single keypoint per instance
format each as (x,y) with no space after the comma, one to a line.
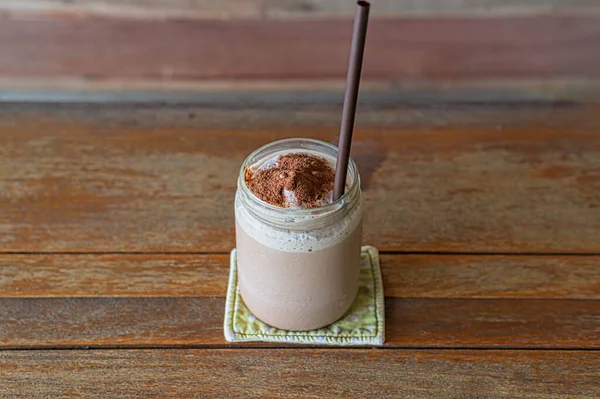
(187,49)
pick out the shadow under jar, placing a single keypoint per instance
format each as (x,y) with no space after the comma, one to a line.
(298,269)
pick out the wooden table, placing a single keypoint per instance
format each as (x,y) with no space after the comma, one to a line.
(116,221)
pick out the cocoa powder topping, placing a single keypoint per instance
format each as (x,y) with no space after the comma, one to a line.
(309,177)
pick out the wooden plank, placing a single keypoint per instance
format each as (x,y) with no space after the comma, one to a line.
(205,9)
(435,178)
(460,276)
(410,322)
(338,373)
(419,8)
(404,276)
(72,89)
(413,49)
(144,9)
(113,275)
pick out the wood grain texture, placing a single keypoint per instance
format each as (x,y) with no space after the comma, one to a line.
(499,91)
(435,178)
(410,322)
(404,276)
(230,9)
(113,275)
(144,9)
(403,8)
(300,373)
(413,49)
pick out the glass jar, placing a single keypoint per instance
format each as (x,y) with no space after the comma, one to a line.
(298,269)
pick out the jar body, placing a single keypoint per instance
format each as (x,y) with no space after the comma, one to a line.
(299,269)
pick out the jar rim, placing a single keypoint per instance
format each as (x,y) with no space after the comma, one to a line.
(335,205)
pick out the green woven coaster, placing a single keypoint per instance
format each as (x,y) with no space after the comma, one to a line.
(364,324)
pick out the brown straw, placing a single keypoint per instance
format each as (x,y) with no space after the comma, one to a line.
(353,79)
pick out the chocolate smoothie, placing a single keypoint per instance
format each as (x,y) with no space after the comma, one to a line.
(298,252)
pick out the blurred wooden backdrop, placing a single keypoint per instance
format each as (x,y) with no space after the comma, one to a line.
(185,49)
